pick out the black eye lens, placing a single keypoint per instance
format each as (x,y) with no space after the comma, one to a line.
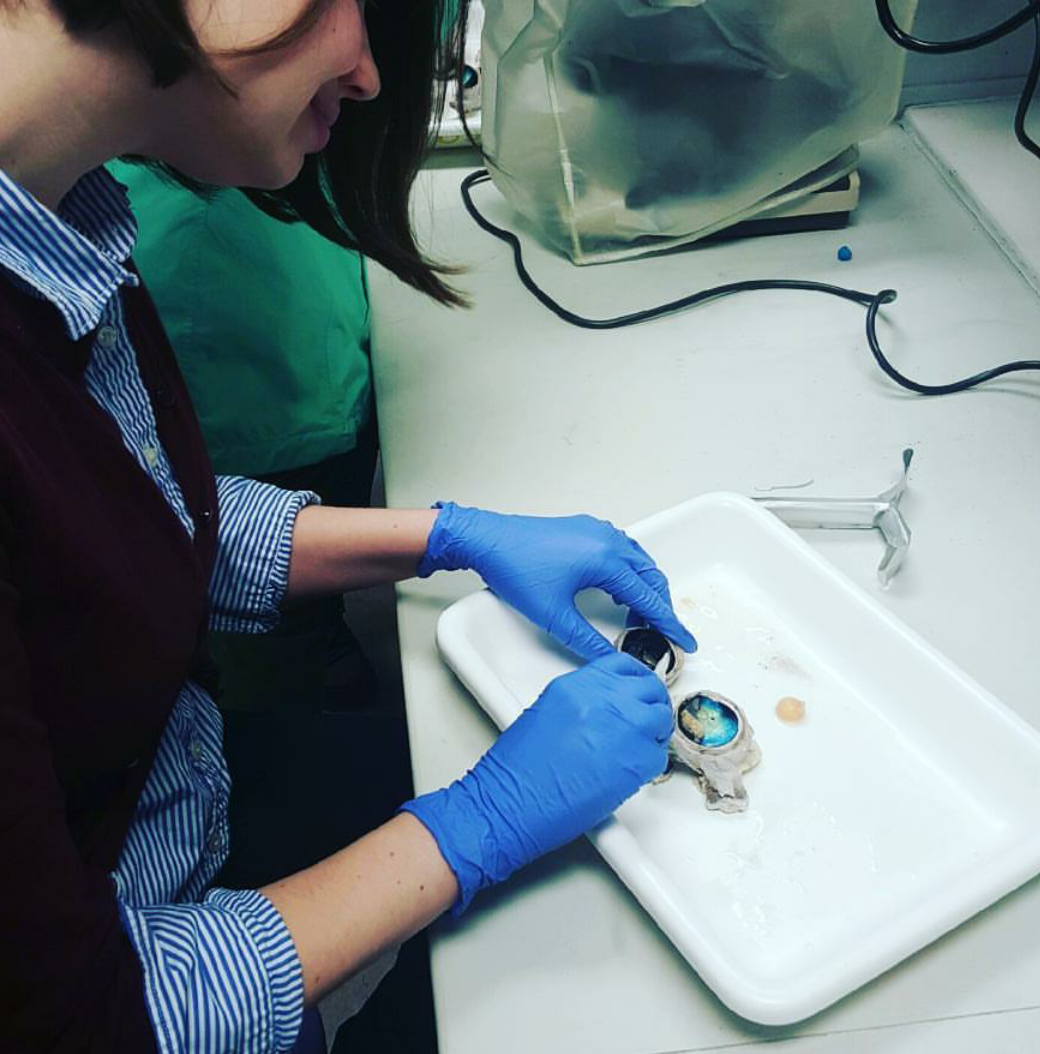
(648,646)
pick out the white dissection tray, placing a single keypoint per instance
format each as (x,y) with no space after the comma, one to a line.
(905,801)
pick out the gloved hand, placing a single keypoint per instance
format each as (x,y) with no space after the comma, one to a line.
(537,564)
(591,740)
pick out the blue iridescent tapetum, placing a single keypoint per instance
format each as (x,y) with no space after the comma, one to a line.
(717,723)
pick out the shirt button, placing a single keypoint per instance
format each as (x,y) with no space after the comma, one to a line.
(107,337)
(151,455)
(195,750)
(213,844)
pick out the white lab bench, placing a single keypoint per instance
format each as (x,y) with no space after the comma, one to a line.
(506,407)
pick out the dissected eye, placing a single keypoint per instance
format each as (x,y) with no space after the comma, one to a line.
(649,647)
(707,720)
(715,741)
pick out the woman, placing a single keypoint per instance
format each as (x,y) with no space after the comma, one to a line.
(117,545)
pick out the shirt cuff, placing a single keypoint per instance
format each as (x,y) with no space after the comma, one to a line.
(251,573)
(220,975)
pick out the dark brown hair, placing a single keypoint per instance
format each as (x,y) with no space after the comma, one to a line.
(356,191)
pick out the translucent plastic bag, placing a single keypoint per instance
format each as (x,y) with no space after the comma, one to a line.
(626,126)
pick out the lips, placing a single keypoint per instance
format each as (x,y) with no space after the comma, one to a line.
(326,108)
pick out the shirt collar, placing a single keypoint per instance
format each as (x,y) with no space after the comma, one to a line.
(74,258)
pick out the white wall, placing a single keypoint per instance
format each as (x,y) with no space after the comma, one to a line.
(999,69)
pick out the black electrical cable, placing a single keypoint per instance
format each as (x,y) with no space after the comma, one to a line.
(1028,93)
(949,47)
(932,389)
(871,301)
(1031,12)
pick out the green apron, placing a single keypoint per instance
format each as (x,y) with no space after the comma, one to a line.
(269,322)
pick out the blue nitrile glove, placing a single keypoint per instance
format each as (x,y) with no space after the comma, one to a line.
(590,741)
(537,564)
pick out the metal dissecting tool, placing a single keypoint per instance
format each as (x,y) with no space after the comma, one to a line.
(855,514)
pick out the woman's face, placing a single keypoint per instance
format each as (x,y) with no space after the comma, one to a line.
(286,100)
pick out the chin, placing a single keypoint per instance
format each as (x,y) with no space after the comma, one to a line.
(263,171)
(274,176)
(273,171)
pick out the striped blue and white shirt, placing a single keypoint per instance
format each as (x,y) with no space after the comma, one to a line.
(220,969)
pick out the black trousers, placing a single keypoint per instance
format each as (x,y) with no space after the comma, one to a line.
(302,788)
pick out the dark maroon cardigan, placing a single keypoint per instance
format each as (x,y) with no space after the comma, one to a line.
(102,613)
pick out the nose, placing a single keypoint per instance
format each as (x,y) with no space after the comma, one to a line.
(362,84)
